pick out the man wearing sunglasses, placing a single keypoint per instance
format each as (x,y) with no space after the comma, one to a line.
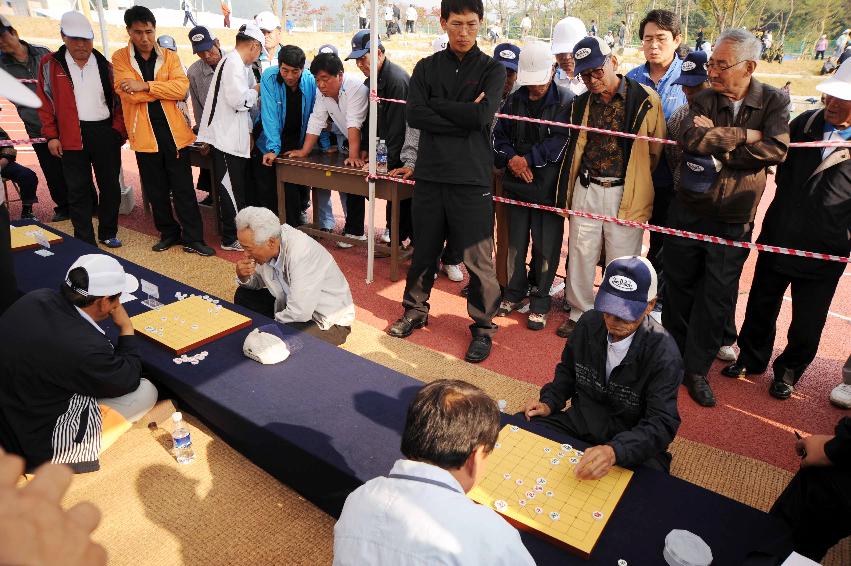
(607,175)
(738,128)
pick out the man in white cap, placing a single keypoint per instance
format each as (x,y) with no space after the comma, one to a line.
(82,120)
(531,155)
(270,25)
(621,372)
(226,125)
(565,35)
(64,386)
(811,211)
(16,93)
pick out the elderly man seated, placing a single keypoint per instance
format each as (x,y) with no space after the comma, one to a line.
(66,391)
(286,275)
(419,514)
(621,372)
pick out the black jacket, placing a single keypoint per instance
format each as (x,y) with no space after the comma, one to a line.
(54,365)
(636,411)
(838,449)
(26,70)
(455,145)
(543,146)
(392,83)
(811,210)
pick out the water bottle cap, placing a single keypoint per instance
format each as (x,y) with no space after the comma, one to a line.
(177,417)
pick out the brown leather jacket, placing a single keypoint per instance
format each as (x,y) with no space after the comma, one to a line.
(736,193)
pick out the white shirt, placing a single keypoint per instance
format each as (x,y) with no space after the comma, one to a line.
(737,105)
(362,10)
(88,90)
(90,320)
(392,521)
(526,23)
(388,13)
(306,282)
(349,111)
(230,130)
(411,14)
(616,352)
(576,85)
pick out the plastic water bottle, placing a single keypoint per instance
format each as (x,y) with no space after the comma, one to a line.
(381,158)
(182,441)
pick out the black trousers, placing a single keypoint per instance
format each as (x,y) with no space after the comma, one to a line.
(810,303)
(362,23)
(819,55)
(51,166)
(559,421)
(409,26)
(701,284)
(547,231)
(817,506)
(463,216)
(406,227)
(296,197)
(662,197)
(231,177)
(205,181)
(25,178)
(355,212)
(101,152)
(8,283)
(167,178)
(263,302)
(189,17)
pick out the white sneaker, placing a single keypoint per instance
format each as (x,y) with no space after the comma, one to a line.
(727,354)
(235,246)
(841,396)
(346,245)
(385,237)
(453,272)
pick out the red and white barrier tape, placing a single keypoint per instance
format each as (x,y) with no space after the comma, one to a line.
(30,141)
(651,227)
(29,81)
(836,143)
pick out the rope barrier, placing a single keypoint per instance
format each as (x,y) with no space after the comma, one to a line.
(30,141)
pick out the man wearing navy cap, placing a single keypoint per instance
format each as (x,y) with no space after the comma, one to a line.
(621,372)
(200,75)
(509,55)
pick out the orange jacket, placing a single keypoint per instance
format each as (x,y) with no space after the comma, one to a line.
(169,87)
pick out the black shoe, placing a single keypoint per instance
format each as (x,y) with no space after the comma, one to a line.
(60,215)
(164,244)
(206,201)
(27,213)
(404,327)
(199,248)
(567,327)
(780,390)
(698,388)
(737,369)
(479,349)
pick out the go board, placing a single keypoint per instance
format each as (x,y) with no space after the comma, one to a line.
(22,238)
(187,324)
(530,481)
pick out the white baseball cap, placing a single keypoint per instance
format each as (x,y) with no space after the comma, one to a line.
(265,347)
(267,21)
(536,64)
(440,43)
(566,34)
(253,31)
(106,276)
(16,92)
(839,85)
(75,24)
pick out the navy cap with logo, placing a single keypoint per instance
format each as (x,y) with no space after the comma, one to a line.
(697,172)
(590,53)
(327,48)
(508,54)
(693,70)
(361,43)
(629,284)
(201,38)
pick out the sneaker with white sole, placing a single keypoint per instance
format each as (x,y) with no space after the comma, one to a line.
(727,354)
(234,246)
(385,237)
(453,272)
(506,307)
(346,245)
(536,321)
(841,396)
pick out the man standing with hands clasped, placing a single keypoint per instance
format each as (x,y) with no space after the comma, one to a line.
(453,97)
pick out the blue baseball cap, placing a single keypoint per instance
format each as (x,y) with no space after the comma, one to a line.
(697,172)
(361,43)
(508,54)
(202,39)
(167,42)
(693,70)
(629,284)
(590,53)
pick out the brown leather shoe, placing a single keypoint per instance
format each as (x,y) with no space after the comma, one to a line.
(567,327)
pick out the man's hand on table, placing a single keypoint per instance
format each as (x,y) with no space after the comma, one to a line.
(296,153)
(269,158)
(122,320)
(356,161)
(404,172)
(245,268)
(811,450)
(534,408)
(596,462)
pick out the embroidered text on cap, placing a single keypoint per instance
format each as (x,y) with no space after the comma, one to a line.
(583,53)
(197,37)
(695,167)
(622,283)
(507,54)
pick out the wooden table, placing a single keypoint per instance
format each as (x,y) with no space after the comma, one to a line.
(324,171)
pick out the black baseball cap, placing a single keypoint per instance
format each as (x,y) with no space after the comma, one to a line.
(693,71)
(201,38)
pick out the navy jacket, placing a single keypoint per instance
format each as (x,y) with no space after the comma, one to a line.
(636,411)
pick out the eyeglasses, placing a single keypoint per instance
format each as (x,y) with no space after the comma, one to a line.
(460,26)
(596,73)
(658,40)
(713,66)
